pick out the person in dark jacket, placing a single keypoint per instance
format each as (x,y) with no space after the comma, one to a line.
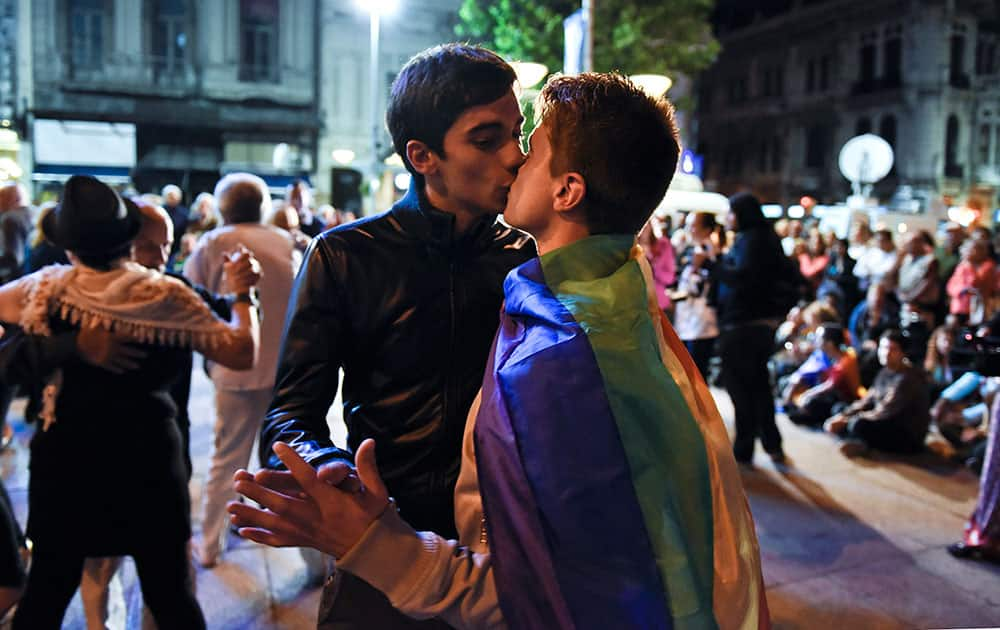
(407,303)
(895,412)
(753,279)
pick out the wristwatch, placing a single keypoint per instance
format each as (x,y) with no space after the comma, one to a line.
(248,297)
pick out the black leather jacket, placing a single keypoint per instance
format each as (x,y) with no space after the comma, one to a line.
(409,312)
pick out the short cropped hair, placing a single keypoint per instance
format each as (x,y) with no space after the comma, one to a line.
(895,336)
(436,86)
(242,198)
(622,141)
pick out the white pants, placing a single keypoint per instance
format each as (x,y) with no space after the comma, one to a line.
(239,415)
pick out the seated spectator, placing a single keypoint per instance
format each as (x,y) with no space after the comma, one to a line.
(813,261)
(893,415)
(860,239)
(961,413)
(793,336)
(839,384)
(937,362)
(839,282)
(876,261)
(976,274)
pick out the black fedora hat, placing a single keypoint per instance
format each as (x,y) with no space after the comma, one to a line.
(91,218)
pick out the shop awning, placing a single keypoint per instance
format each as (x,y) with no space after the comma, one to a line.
(63,148)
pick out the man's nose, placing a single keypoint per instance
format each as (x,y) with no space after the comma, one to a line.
(517,158)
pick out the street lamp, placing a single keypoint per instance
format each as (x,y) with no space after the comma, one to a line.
(529,73)
(656,85)
(376,9)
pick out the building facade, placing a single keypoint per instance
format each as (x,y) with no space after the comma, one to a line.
(171,91)
(345,97)
(796,79)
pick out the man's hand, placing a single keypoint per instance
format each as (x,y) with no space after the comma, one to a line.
(338,473)
(320,516)
(110,351)
(241,270)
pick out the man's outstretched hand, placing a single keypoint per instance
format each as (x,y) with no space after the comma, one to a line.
(308,510)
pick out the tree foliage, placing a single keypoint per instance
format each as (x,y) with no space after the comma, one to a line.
(632,36)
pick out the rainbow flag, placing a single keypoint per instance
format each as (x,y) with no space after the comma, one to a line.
(611,495)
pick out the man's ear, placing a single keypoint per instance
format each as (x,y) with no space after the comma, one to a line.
(423,159)
(571,193)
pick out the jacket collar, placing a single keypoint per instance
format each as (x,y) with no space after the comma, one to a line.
(426,223)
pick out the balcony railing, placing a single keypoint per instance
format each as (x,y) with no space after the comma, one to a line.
(146,73)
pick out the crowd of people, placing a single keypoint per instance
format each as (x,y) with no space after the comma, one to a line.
(877,339)
(519,388)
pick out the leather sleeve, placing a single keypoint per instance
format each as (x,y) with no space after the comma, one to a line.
(309,360)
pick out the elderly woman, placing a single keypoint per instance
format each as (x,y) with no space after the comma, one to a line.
(107,468)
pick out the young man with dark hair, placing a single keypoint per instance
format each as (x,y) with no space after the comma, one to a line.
(406,303)
(597,486)
(894,414)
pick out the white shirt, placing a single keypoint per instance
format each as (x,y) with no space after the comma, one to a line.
(279,261)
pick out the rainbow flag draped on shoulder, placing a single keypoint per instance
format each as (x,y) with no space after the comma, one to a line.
(611,495)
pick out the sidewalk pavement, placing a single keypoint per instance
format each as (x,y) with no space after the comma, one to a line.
(846,543)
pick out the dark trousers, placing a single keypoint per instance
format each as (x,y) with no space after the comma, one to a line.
(701,352)
(745,351)
(163,577)
(884,435)
(11,542)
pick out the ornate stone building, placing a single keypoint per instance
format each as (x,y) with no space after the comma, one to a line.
(798,78)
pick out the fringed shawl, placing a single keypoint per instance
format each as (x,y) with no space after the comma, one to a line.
(131,300)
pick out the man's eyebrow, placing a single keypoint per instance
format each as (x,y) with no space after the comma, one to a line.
(494,125)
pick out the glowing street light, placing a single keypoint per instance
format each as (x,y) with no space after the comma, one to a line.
(656,85)
(343,156)
(529,74)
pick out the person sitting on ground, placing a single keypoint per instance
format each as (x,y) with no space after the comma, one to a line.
(937,361)
(961,412)
(840,383)
(894,414)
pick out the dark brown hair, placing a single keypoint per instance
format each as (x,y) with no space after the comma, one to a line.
(622,141)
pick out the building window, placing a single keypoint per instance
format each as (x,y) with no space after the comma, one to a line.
(893,76)
(985,134)
(811,76)
(824,73)
(887,129)
(259,40)
(951,166)
(956,75)
(867,66)
(863,126)
(776,149)
(816,149)
(87,30)
(169,25)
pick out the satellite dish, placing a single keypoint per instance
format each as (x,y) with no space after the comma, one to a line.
(865,160)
